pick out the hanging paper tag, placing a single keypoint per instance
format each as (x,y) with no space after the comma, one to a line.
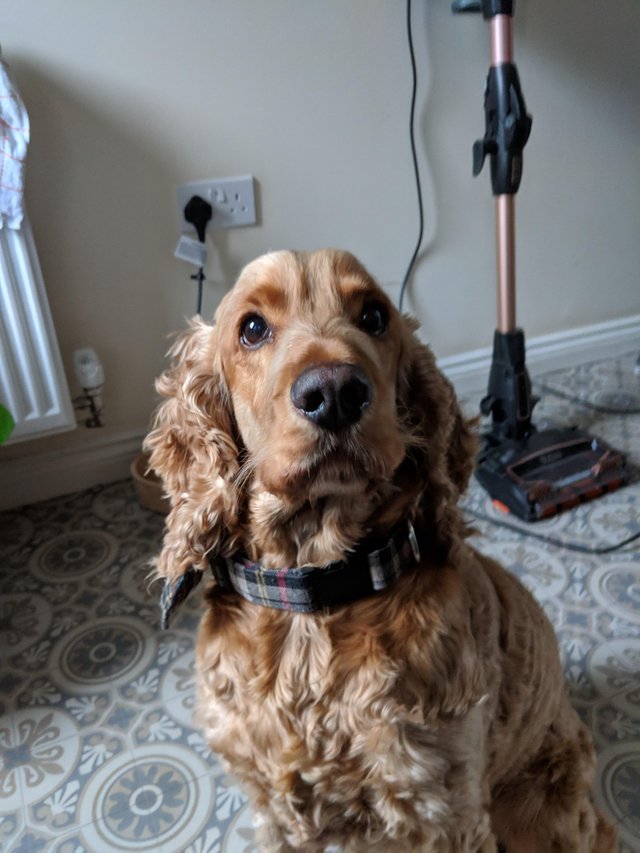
(192,251)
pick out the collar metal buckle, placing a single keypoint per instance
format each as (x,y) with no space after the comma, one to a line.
(413,541)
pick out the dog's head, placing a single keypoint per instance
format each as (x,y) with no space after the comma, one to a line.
(308,414)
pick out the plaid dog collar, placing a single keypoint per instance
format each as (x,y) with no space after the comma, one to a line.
(308,589)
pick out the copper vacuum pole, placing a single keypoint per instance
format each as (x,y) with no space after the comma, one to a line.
(501,53)
(506,262)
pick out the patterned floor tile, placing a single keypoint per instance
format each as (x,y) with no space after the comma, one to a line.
(173,723)
(153,799)
(99,751)
(233,815)
(11,783)
(619,787)
(11,827)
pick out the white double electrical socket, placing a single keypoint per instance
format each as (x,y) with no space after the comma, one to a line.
(232,200)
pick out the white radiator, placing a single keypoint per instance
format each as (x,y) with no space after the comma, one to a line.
(32,381)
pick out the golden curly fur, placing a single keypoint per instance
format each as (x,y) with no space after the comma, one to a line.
(432,716)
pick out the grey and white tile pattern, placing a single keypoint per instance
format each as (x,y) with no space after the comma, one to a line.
(98,750)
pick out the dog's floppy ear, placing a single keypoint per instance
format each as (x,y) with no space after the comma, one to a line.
(442,444)
(193,450)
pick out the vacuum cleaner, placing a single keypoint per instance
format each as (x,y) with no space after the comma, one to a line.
(529,472)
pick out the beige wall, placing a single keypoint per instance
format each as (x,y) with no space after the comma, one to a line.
(128,99)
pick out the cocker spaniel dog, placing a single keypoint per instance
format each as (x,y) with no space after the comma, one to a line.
(370,679)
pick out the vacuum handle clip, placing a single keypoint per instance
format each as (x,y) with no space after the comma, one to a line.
(489,8)
(507,129)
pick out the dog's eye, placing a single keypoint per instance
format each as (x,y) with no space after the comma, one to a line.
(254,329)
(373,318)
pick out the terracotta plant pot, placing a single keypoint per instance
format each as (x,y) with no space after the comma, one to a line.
(148,487)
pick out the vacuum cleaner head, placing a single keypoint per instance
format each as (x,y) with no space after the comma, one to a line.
(549,471)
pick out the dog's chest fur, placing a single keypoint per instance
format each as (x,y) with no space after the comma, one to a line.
(322,723)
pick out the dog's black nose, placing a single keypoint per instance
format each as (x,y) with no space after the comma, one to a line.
(333,396)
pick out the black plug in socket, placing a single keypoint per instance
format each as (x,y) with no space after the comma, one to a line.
(198,213)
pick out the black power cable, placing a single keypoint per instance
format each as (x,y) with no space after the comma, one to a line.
(631,409)
(198,213)
(416,170)
(558,543)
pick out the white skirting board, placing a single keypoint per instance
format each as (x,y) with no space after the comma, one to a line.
(106,457)
(102,458)
(469,371)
